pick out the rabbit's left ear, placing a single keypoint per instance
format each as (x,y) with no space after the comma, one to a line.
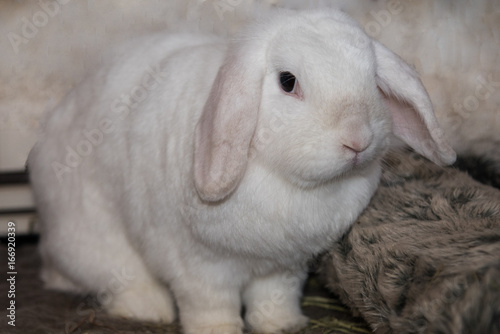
(413,116)
(227,125)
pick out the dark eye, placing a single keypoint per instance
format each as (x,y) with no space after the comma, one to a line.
(287,81)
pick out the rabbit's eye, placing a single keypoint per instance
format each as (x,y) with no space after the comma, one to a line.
(287,81)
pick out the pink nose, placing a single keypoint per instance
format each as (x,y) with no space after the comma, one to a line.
(357,140)
(356,146)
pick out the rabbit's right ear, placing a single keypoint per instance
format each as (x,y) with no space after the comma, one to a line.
(227,125)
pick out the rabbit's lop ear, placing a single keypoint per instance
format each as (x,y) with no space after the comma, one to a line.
(413,116)
(227,125)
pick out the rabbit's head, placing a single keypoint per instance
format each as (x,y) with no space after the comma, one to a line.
(314,98)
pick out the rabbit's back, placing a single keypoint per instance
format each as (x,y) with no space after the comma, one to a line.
(146,97)
(115,152)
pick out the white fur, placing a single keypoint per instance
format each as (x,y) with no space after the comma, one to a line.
(148,198)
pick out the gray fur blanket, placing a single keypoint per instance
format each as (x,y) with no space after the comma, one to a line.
(425,255)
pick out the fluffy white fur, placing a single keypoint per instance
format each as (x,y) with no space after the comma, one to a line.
(183,163)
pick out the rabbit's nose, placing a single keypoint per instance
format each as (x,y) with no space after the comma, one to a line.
(359,141)
(356,146)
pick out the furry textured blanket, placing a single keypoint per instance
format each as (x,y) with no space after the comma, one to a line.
(425,255)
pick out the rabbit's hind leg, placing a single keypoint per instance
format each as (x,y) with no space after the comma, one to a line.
(128,293)
(86,250)
(55,280)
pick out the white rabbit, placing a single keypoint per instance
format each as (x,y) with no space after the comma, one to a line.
(217,169)
(455,46)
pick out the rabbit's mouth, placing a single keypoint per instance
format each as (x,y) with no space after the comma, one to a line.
(360,160)
(357,157)
(356,160)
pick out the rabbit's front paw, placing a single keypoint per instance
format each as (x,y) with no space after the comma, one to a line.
(273,303)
